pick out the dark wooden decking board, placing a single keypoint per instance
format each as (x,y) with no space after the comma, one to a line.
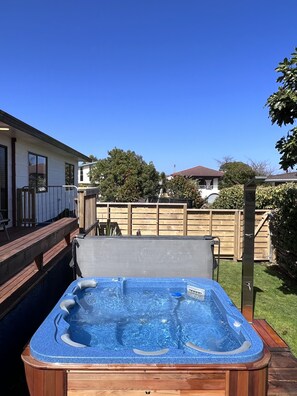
(282,373)
(269,336)
(8,288)
(13,248)
(12,291)
(15,233)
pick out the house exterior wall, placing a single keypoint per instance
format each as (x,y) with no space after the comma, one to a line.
(212,189)
(55,163)
(56,199)
(56,160)
(86,169)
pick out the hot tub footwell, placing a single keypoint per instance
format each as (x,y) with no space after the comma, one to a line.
(140,380)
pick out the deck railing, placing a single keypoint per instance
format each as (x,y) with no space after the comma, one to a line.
(37,206)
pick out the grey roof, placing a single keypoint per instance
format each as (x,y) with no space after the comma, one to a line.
(283,177)
(28,129)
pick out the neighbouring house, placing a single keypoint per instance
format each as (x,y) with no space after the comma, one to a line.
(35,170)
(84,172)
(207,180)
(282,178)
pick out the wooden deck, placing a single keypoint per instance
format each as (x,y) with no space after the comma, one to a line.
(282,373)
(15,233)
(28,255)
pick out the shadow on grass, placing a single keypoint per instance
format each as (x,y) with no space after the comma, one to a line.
(256,291)
(289,285)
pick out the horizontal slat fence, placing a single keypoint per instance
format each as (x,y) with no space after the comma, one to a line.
(178,220)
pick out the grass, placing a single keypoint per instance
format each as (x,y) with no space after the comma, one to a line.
(275,297)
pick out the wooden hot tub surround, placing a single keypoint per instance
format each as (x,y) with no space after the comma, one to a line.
(140,380)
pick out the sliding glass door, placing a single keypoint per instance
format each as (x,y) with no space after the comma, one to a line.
(3,181)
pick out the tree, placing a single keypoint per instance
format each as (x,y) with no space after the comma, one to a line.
(224,160)
(261,168)
(125,177)
(235,172)
(93,158)
(283,110)
(230,198)
(181,187)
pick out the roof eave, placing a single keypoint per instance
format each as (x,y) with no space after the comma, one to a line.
(26,128)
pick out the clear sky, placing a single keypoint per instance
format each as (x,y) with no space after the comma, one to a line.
(180,82)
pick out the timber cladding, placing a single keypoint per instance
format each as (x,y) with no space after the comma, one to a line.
(177,220)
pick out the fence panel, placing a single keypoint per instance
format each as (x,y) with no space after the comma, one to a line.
(176,219)
(145,219)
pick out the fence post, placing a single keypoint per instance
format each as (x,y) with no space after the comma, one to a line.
(210,222)
(157,219)
(129,225)
(237,228)
(87,209)
(185,220)
(81,210)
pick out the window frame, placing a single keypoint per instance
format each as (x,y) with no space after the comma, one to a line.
(72,176)
(42,188)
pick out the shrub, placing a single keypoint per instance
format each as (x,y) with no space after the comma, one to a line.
(283,227)
(282,200)
(229,198)
(180,187)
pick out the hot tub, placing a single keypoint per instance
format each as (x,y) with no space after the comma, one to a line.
(139,336)
(146,321)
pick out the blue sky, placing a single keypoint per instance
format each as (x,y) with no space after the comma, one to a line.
(181,82)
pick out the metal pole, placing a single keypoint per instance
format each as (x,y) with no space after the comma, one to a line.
(247,282)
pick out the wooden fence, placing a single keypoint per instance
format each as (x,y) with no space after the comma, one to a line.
(177,219)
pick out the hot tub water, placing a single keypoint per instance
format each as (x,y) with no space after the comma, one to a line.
(117,317)
(145,321)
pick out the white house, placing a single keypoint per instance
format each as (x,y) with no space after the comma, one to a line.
(207,180)
(31,160)
(84,172)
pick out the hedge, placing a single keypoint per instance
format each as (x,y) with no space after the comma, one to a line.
(282,201)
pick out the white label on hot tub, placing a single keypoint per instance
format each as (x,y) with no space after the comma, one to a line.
(196,292)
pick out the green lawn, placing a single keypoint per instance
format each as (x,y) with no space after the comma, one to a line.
(276,297)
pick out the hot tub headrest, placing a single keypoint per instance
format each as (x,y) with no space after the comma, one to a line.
(151,257)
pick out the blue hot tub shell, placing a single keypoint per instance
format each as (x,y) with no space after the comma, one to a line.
(59,339)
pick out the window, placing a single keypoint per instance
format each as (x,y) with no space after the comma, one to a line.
(38,172)
(81,174)
(69,174)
